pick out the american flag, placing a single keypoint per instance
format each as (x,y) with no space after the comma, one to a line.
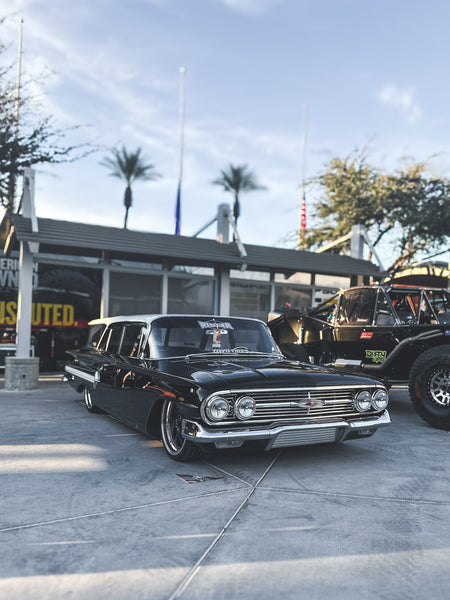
(303,214)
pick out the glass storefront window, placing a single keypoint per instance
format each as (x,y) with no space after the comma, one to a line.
(134,264)
(332,281)
(250,275)
(205,271)
(190,295)
(249,299)
(300,278)
(132,294)
(291,297)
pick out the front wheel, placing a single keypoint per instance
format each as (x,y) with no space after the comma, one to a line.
(429,386)
(174,443)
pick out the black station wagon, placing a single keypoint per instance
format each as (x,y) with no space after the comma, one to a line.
(219,382)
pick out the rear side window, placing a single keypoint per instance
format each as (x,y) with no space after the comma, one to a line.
(95,334)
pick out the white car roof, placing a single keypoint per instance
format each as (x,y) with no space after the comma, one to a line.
(149,318)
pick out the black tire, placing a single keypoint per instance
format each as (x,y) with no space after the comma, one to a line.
(174,444)
(294,352)
(90,406)
(429,386)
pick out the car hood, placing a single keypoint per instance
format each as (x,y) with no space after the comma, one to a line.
(215,373)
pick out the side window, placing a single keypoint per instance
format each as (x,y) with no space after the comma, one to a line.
(115,335)
(95,335)
(357,307)
(132,337)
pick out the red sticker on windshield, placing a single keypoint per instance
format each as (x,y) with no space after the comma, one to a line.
(366,335)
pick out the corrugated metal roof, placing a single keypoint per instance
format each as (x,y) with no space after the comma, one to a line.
(67,237)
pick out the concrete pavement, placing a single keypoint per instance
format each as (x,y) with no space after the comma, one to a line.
(91,509)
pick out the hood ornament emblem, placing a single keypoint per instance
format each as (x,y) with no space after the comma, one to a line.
(310,403)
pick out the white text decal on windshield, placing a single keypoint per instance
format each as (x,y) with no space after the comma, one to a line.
(232,351)
(214,325)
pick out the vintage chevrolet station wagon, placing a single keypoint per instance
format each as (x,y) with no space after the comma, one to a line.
(199,382)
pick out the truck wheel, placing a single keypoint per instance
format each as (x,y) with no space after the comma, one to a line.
(429,386)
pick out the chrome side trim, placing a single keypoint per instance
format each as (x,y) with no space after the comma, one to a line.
(194,431)
(80,374)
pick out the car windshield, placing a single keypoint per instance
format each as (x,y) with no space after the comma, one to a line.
(179,336)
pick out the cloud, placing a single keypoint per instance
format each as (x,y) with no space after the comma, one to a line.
(403,99)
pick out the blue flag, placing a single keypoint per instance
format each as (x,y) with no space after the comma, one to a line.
(178,210)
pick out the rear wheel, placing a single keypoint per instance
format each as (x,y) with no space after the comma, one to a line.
(90,406)
(429,386)
(174,443)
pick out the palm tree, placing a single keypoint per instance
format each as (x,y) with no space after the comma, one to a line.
(236,180)
(129,166)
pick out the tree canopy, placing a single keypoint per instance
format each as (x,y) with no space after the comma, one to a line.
(26,137)
(411,206)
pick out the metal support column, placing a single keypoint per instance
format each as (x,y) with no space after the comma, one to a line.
(106,275)
(223,274)
(22,370)
(24,302)
(165,291)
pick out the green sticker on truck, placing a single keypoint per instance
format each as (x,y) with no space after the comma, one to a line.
(376,356)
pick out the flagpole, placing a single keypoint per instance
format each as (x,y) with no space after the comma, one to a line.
(302,226)
(180,151)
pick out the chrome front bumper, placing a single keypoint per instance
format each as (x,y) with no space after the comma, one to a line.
(286,435)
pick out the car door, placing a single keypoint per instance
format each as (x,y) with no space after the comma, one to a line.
(109,388)
(131,368)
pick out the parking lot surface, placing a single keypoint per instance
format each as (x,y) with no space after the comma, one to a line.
(91,509)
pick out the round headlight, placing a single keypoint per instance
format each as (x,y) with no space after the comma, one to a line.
(363,401)
(245,408)
(380,399)
(217,408)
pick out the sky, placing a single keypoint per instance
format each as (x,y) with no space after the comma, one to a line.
(371,75)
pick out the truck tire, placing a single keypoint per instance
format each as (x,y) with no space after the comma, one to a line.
(429,386)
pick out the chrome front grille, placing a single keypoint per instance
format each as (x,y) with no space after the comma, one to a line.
(281,405)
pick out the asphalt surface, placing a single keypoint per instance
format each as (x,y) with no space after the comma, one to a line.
(91,509)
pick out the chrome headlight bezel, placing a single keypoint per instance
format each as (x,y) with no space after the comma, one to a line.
(363,401)
(217,408)
(244,408)
(380,399)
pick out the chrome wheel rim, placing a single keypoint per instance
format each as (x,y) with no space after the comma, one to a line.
(439,387)
(87,398)
(172,428)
